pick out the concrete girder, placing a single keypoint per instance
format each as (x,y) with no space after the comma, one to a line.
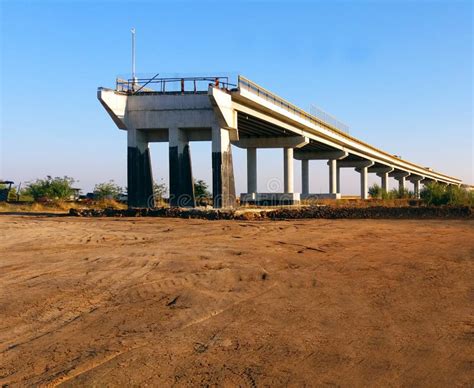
(330,137)
(272,142)
(320,155)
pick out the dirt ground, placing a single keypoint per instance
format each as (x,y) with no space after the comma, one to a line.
(173,302)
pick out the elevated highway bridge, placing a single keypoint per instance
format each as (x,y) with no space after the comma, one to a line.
(181,110)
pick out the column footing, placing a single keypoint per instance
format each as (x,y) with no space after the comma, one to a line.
(270,199)
(321,196)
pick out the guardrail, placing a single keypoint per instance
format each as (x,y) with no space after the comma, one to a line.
(317,115)
(171,85)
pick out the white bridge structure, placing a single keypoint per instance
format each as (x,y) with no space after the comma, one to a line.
(182,110)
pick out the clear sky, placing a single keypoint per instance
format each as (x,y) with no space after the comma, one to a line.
(398,73)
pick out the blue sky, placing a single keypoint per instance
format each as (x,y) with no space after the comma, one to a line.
(398,73)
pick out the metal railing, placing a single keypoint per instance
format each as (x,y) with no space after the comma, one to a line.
(171,84)
(317,115)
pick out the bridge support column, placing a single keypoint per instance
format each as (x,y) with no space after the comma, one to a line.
(416,188)
(384,178)
(251,170)
(223,186)
(305,176)
(416,180)
(181,175)
(364,189)
(338,179)
(332,176)
(400,176)
(139,177)
(401,183)
(288,170)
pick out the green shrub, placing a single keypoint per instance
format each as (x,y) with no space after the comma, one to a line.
(438,194)
(375,191)
(107,190)
(50,188)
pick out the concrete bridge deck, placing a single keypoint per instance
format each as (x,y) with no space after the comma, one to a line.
(247,116)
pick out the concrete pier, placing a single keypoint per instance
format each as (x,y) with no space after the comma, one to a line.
(251,170)
(416,180)
(139,175)
(332,176)
(181,176)
(223,186)
(400,176)
(364,188)
(288,170)
(305,177)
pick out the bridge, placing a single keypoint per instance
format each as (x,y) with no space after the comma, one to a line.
(182,110)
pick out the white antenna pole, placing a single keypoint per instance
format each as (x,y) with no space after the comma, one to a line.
(133,58)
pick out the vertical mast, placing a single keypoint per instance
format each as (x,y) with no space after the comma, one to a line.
(133,59)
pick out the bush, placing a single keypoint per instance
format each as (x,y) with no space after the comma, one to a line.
(375,191)
(202,193)
(201,189)
(107,190)
(50,188)
(438,194)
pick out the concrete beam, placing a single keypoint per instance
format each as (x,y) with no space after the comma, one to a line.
(301,154)
(272,142)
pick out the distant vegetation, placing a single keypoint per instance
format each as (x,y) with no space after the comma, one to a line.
(375,191)
(433,194)
(107,190)
(50,188)
(438,194)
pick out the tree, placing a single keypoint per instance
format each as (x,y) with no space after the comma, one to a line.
(201,190)
(51,188)
(159,190)
(107,190)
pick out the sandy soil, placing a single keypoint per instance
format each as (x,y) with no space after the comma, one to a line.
(168,302)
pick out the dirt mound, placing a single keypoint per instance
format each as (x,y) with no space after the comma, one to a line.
(323,212)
